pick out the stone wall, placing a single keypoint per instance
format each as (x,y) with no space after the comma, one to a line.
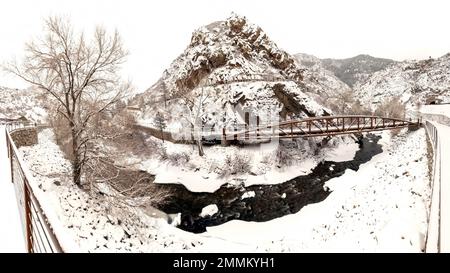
(25,137)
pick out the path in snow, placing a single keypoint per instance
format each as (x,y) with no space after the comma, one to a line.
(439,116)
(11,234)
(444,221)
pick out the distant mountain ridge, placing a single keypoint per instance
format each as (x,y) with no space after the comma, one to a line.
(349,70)
(374,80)
(414,82)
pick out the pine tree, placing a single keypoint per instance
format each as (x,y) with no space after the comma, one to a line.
(160,123)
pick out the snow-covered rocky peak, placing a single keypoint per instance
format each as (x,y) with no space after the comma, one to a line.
(236,64)
(229,51)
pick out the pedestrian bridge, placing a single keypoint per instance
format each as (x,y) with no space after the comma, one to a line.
(319,126)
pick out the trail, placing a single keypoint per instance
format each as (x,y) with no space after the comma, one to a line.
(11,233)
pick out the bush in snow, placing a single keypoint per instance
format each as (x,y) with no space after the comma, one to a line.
(62,134)
(391,108)
(179,158)
(283,156)
(236,163)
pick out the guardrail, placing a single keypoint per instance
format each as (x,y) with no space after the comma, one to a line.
(432,243)
(39,234)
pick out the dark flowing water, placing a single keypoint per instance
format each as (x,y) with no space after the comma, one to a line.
(268,202)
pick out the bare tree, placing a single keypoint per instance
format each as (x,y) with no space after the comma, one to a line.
(195,112)
(391,108)
(80,75)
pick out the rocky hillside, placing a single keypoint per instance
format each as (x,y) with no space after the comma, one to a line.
(233,67)
(413,81)
(317,77)
(28,103)
(356,69)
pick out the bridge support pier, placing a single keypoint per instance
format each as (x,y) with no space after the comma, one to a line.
(223,140)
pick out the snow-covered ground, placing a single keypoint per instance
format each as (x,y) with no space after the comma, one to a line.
(11,232)
(208,173)
(84,223)
(381,207)
(443,109)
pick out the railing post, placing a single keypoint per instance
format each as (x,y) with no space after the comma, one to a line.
(247,122)
(257,127)
(28,227)
(224,137)
(11,159)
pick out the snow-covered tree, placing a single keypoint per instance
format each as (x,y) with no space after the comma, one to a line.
(194,104)
(80,75)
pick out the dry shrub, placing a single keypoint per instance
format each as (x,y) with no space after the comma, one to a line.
(179,158)
(62,133)
(282,156)
(395,132)
(391,108)
(133,187)
(124,119)
(237,163)
(357,108)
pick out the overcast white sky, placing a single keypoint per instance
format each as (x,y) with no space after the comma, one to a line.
(156,32)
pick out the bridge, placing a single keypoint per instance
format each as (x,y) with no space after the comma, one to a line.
(318,126)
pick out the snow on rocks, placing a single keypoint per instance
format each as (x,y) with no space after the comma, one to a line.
(248,194)
(209,210)
(28,103)
(209,172)
(413,81)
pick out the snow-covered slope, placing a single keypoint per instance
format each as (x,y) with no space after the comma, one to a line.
(234,64)
(324,83)
(15,103)
(412,81)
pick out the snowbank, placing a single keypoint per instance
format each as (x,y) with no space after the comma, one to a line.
(209,173)
(382,207)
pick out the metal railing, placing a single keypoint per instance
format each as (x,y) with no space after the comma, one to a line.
(39,234)
(434,226)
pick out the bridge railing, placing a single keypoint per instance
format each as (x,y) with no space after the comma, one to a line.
(38,232)
(322,126)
